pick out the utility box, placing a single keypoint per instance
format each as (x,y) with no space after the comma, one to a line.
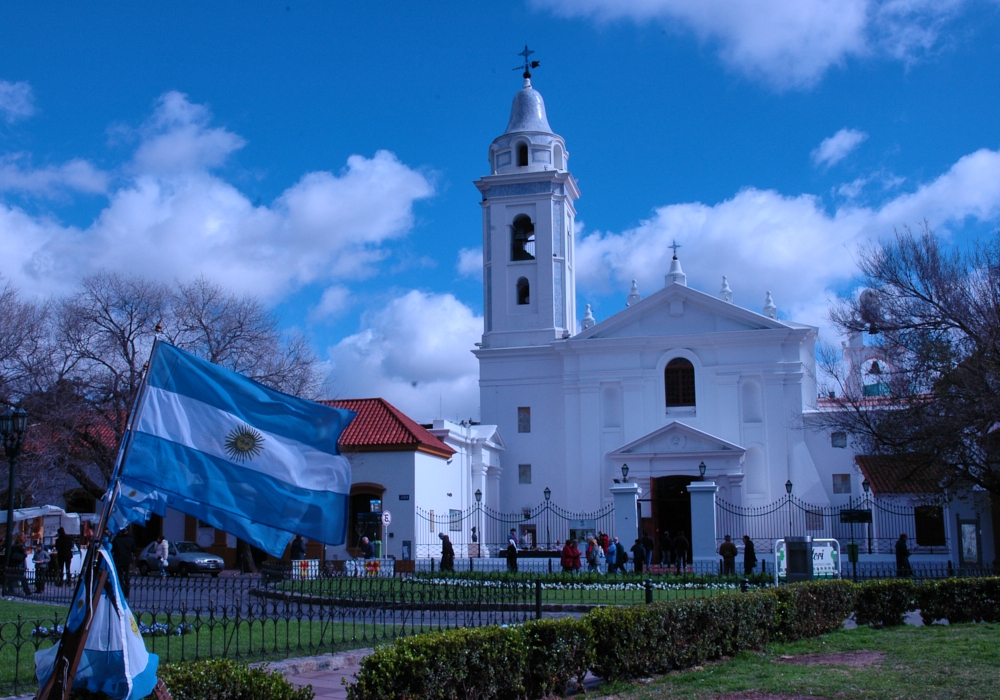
(799,553)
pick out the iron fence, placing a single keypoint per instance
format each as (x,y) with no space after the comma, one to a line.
(481,532)
(791,516)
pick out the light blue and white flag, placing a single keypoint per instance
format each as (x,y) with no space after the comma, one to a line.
(114,660)
(247,459)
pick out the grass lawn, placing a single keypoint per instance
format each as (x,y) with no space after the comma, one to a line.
(960,661)
(10,609)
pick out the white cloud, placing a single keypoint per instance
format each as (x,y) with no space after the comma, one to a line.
(766,241)
(470,263)
(834,149)
(173,218)
(417,354)
(77,175)
(16,101)
(332,304)
(787,44)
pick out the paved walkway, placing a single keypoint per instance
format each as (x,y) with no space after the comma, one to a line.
(324,673)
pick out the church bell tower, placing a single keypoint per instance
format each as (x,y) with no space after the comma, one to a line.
(528,214)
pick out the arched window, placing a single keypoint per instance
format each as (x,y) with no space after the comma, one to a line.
(522,244)
(557,157)
(678,381)
(522,154)
(523,292)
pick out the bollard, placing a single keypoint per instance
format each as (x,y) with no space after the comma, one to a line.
(649,591)
(745,585)
(432,565)
(538,599)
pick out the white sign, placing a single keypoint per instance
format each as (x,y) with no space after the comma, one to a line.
(826,559)
(386,517)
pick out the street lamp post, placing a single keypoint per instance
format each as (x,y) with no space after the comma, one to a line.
(788,492)
(479,521)
(13,426)
(548,518)
(867,487)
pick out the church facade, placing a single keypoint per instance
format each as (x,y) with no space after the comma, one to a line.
(677,382)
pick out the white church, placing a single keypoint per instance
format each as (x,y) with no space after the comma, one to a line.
(680,385)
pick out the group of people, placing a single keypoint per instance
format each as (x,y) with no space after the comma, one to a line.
(729,551)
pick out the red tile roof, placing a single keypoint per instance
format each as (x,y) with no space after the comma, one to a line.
(381,427)
(901,474)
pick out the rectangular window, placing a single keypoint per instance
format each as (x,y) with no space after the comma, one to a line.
(814,520)
(524,473)
(842,483)
(454,519)
(929,524)
(524,419)
(838,439)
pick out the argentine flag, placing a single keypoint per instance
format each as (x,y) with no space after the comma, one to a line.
(114,661)
(247,459)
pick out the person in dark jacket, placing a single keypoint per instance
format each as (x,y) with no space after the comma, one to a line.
(574,557)
(648,544)
(298,548)
(447,553)
(902,557)
(18,556)
(728,552)
(638,556)
(749,555)
(64,555)
(666,549)
(122,550)
(681,547)
(620,558)
(367,549)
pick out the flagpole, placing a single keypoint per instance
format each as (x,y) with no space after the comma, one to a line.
(71,644)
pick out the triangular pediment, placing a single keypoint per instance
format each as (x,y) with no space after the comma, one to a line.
(680,439)
(680,310)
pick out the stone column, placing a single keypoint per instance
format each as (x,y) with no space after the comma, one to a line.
(702,521)
(626,524)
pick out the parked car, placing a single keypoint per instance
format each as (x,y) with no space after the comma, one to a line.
(184,558)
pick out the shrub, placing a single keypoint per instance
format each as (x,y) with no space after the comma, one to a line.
(811,609)
(559,652)
(959,600)
(485,662)
(884,603)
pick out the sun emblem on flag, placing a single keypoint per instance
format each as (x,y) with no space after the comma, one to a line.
(244,443)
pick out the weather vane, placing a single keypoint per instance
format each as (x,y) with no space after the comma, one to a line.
(528,65)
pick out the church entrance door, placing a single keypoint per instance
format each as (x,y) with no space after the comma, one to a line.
(671,507)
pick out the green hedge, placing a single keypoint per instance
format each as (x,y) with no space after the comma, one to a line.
(884,603)
(959,600)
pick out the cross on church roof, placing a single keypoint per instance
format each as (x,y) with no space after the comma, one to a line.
(675,246)
(528,65)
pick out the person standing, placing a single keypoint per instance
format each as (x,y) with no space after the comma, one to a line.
(616,564)
(64,555)
(647,545)
(749,556)
(122,549)
(728,552)
(298,548)
(591,554)
(638,556)
(41,559)
(367,548)
(162,551)
(566,558)
(447,553)
(681,547)
(902,557)
(574,556)
(512,551)
(18,557)
(666,549)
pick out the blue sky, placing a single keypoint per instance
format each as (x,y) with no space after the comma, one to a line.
(321,155)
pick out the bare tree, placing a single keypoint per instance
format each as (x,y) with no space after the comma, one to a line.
(100,340)
(927,384)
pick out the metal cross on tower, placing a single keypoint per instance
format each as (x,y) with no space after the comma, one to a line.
(675,245)
(528,65)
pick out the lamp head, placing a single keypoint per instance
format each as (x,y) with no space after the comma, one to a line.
(6,423)
(479,495)
(20,420)
(548,493)
(788,487)
(702,468)
(624,472)
(866,486)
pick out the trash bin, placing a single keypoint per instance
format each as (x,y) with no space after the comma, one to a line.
(852,552)
(378,551)
(799,554)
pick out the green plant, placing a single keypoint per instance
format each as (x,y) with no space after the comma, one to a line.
(559,652)
(884,603)
(959,600)
(480,663)
(811,609)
